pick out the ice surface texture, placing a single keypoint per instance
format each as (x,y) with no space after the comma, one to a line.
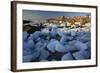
(53,44)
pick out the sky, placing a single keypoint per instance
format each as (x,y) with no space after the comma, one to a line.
(40,16)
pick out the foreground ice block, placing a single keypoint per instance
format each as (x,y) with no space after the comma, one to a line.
(25,35)
(72,42)
(63,40)
(35,35)
(27,52)
(45,31)
(39,44)
(88,44)
(27,58)
(60,48)
(29,44)
(80,34)
(70,48)
(67,56)
(53,32)
(38,39)
(35,54)
(44,54)
(82,54)
(51,45)
(60,33)
(85,38)
(79,45)
(69,38)
(73,33)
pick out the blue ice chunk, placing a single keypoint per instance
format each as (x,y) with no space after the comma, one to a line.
(70,48)
(68,33)
(45,31)
(84,38)
(72,42)
(44,54)
(27,58)
(81,46)
(29,44)
(51,45)
(48,38)
(27,52)
(35,54)
(67,56)
(63,40)
(82,54)
(49,27)
(60,47)
(38,44)
(73,33)
(60,33)
(80,34)
(88,44)
(69,38)
(78,45)
(25,35)
(43,41)
(38,39)
(53,32)
(35,35)
(43,36)
(88,53)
